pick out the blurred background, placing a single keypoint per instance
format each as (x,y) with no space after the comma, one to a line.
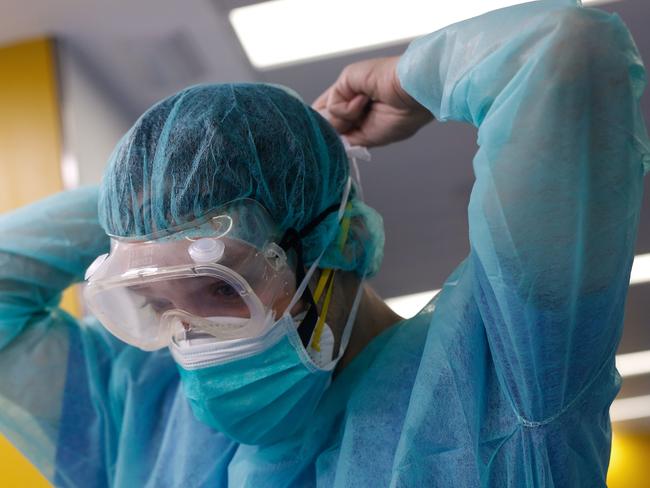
(75,75)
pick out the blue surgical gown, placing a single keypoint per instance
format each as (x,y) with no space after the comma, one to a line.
(504,380)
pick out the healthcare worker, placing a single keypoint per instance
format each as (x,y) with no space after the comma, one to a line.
(216,365)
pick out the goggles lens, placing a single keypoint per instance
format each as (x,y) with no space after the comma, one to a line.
(202,296)
(229,278)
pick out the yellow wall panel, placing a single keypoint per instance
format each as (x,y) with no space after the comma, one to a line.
(30,128)
(30,165)
(629,466)
(16,471)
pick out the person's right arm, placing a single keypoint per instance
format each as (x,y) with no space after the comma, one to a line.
(44,248)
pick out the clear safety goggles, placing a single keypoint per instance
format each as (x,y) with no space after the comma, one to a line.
(224,276)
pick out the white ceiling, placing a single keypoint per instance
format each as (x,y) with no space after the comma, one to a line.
(140,50)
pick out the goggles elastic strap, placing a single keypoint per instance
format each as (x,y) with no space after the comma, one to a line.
(325,280)
(293,238)
(307,326)
(312,268)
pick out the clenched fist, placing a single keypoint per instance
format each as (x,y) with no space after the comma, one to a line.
(368,105)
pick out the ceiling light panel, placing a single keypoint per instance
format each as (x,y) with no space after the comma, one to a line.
(633,363)
(630,408)
(640,270)
(283,32)
(409,305)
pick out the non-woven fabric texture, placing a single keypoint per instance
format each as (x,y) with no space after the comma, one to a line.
(209,145)
(504,381)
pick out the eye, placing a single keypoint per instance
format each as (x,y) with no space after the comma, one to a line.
(159,305)
(222,290)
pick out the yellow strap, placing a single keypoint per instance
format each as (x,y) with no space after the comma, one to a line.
(324,279)
(320,325)
(345,228)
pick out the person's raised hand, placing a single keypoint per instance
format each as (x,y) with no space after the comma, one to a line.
(368,105)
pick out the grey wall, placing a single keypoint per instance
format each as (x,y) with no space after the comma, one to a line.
(422,186)
(93,121)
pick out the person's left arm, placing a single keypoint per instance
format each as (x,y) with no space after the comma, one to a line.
(553,90)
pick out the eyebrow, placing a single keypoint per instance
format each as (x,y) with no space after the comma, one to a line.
(144,290)
(234,257)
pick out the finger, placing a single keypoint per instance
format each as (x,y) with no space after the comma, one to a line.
(340,125)
(344,119)
(342,115)
(356,138)
(351,110)
(361,77)
(321,102)
(359,137)
(321,106)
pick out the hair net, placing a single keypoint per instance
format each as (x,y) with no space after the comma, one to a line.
(210,144)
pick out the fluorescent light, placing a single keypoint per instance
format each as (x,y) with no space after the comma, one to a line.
(633,363)
(281,32)
(630,364)
(630,408)
(409,305)
(69,171)
(640,270)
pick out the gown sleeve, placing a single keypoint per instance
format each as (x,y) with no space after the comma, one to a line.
(553,89)
(44,248)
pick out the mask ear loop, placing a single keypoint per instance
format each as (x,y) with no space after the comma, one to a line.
(312,268)
(293,238)
(355,153)
(347,330)
(327,281)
